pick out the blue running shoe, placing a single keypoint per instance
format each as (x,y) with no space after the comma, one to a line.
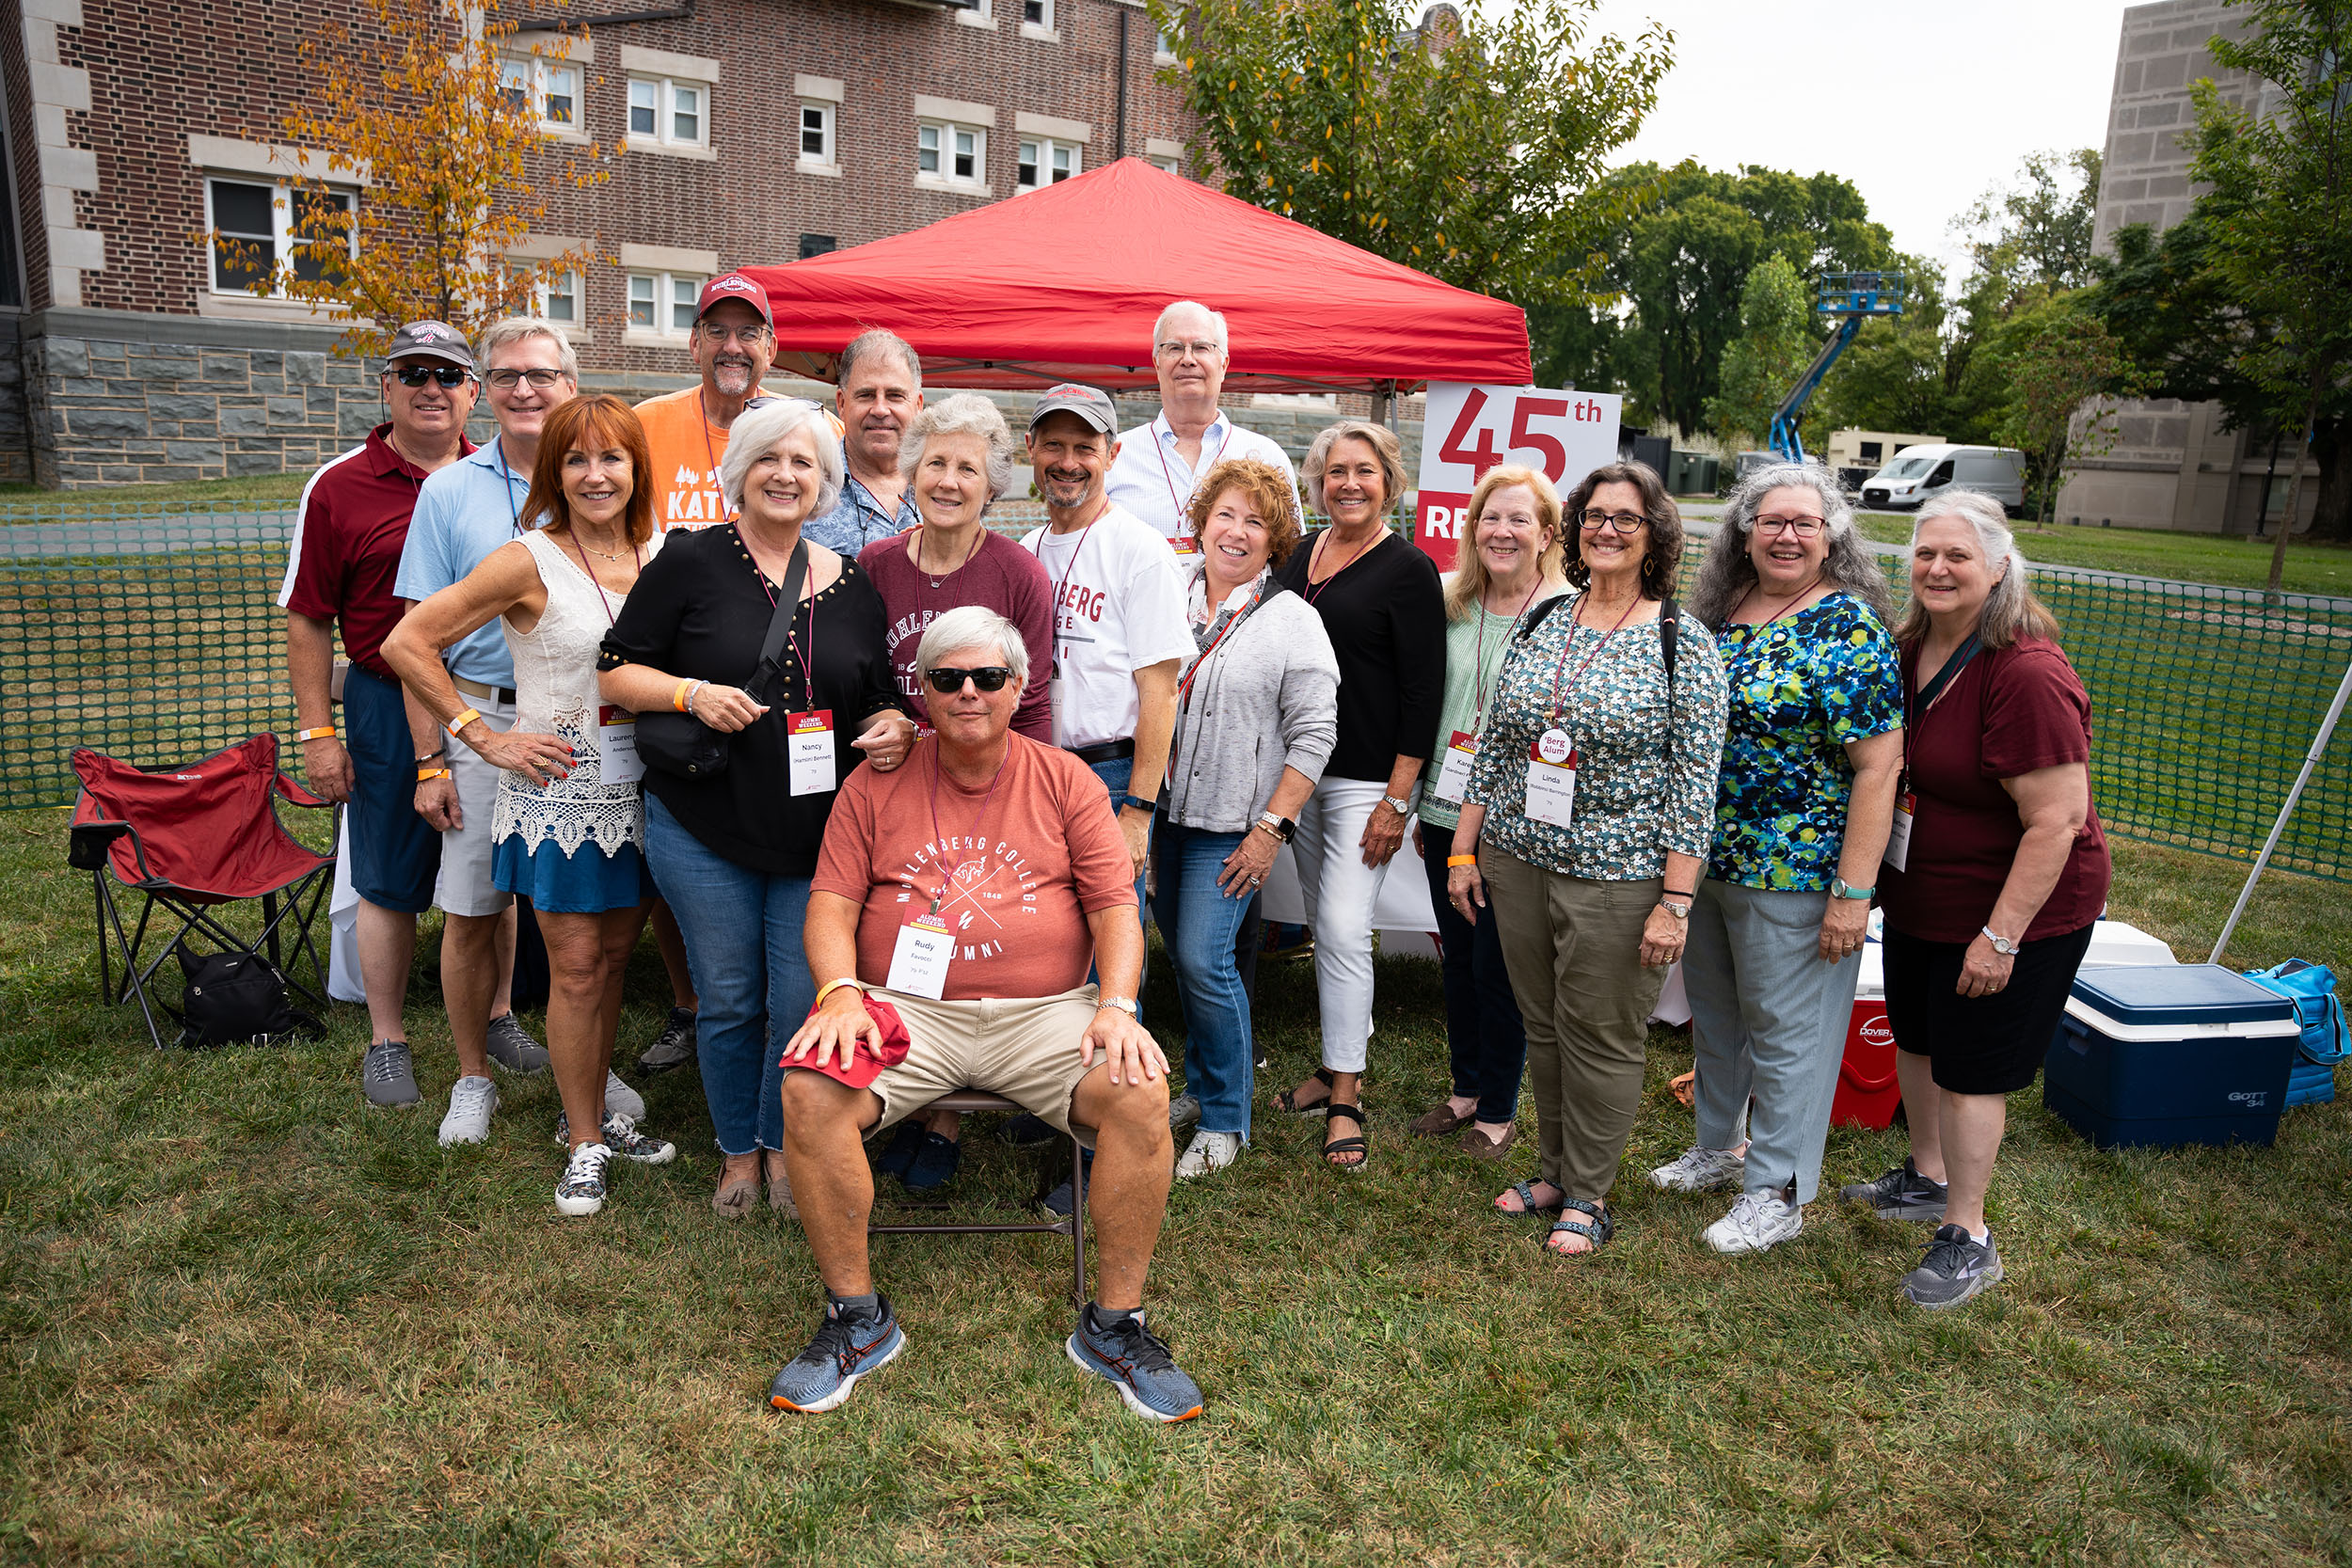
(899,1152)
(934,1164)
(847,1348)
(1139,1365)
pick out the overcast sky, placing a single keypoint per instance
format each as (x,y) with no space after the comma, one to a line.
(1920,105)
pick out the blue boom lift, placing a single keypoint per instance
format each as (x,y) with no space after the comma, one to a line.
(1854,297)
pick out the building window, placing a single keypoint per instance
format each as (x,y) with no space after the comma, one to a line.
(550,89)
(1046,162)
(1166,165)
(816,133)
(665,112)
(954,154)
(1038,14)
(262,226)
(559,298)
(1162,49)
(662,302)
(818,245)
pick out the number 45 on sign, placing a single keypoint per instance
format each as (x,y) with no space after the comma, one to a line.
(1469,430)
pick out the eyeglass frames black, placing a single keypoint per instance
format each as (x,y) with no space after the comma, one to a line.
(988,679)
(416,376)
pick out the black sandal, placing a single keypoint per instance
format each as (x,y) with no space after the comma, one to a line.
(1356,1145)
(1321,1107)
(1529,1207)
(1603,1226)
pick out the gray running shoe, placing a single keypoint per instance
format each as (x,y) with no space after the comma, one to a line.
(1956,1267)
(1901,1194)
(512,1047)
(1183,1111)
(386,1076)
(619,1098)
(674,1046)
(622,1137)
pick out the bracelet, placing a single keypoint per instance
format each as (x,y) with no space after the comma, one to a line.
(325,732)
(831,985)
(462,719)
(677,698)
(425,773)
(1676,892)
(1453,860)
(436,751)
(695,691)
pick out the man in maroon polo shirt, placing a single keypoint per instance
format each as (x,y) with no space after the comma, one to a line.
(349,528)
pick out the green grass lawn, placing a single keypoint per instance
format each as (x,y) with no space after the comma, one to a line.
(246,1320)
(29,503)
(2230,561)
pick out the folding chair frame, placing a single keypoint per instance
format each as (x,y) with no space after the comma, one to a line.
(1072,1227)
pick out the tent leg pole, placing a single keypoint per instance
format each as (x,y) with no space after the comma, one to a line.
(2277,829)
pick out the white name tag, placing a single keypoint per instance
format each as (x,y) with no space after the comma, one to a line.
(919,965)
(616,745)
(1454,771)
(1899,831)
(1552,779)
(808,743)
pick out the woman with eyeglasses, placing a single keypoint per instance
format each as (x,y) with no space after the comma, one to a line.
(1813,745)
(1590,812)
(958,459)
(733,855)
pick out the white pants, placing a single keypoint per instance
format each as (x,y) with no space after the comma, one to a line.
(1341,891)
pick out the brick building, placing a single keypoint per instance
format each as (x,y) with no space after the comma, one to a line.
(755,131)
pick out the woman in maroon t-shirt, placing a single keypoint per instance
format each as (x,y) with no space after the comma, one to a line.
(1996,871)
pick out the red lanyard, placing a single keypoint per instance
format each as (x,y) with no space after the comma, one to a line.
(712,477)
(1478,663)
(1170,478)
(1062,587)
(1576,620)
(948,882)
(1183,688)
(602,598)
(1314,590)
(808,665)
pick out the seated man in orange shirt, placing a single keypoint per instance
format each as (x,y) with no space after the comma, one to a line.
(959,899)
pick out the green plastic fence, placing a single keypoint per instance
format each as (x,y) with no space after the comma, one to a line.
(154,635)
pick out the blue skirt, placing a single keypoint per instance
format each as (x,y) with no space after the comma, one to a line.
(587,882)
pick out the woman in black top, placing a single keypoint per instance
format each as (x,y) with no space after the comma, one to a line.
(733,854)
(1381,605)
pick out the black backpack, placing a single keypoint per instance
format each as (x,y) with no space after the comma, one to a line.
(237,999)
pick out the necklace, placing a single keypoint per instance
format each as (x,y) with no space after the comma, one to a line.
(941,581)
(1314,589)
(1785,606)
(609,555)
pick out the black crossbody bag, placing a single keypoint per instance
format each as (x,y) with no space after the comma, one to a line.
(683,746)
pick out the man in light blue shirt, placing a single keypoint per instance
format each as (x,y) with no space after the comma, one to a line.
(880,392)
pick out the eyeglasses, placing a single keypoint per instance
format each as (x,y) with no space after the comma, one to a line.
(1199,348)
(1804,528)
(719,332)
(948,682)
(540,379)
(416,376)
(1616,522)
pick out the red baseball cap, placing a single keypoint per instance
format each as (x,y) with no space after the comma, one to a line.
(734,285)
(866,1066)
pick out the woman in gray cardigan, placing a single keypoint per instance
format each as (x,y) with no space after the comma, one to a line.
(1257,714)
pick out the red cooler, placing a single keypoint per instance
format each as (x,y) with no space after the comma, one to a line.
(1867,1090)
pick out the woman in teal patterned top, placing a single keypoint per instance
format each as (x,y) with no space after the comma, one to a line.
(1811,756)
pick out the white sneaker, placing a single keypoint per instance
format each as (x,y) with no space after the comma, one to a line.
(620,1099)
(1757,1221)
(580,1191)
(469,1106)
(1699,1170)
(1209,1151)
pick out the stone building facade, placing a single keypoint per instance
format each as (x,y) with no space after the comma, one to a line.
(2174,465)
(751,131)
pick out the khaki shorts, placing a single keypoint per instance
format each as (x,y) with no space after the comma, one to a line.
(465,886)
(1023,1048)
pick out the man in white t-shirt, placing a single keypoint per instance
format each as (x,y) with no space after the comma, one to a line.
(1161,464)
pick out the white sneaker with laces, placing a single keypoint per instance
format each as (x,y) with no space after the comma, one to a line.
(470,1103)
(1699,1170)
(1758,1222)
(580,1191)
(1209,1151)
(620,1099)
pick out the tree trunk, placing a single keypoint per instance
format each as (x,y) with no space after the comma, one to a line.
(2334,518)
(2295,485)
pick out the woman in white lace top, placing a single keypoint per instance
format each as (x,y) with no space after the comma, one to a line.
(570,830)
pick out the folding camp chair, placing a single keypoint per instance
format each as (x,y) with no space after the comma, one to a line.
(191,838)
(1074,1226)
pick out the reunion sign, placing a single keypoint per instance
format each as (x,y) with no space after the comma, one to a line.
(1469,430)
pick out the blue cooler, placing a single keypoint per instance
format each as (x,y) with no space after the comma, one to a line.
(2187,1053)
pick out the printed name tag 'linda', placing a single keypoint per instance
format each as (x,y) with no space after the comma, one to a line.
(1551,778)
(1455,770)
(919,965)
(808,740)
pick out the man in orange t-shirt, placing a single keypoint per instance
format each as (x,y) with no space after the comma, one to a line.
(959,901)
(686,431)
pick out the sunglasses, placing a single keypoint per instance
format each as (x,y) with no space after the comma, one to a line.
(416,376)
(947,682)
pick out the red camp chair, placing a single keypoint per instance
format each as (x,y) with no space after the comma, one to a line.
(191,838)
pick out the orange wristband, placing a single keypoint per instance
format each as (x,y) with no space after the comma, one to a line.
(677,698)
(1453,860)
(462,719)
(325,732)
(425,773)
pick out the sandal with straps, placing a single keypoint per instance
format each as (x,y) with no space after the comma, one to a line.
(1603,1226)
(1356,1145)
(1283,1102)
(1528,1206)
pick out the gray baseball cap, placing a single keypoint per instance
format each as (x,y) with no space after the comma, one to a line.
(1090,404)
(430,340)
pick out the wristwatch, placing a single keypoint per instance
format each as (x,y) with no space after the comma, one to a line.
(2002,946)
(1840,888)
(1124,1003)
(1280,827)
(1679,909)
(1397,803)
(1136,802)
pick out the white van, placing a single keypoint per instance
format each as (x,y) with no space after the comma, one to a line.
(1918,472)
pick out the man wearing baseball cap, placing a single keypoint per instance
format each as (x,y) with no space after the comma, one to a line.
(349,530)
(686,431)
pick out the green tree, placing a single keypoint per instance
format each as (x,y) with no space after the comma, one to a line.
(1777,341)
(2280,214)
(1474,151)
(2038,232)
(2062,369)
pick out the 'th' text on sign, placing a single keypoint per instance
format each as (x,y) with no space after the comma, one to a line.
(1469,430)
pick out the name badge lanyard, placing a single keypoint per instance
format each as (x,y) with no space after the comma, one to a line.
(711,455)
(1916,705)
(1462,750)
(1062,590)
(792,640)
(514,512)
(613,767)
(1184,687)
(1551,714)
(948,879)
(1168,476)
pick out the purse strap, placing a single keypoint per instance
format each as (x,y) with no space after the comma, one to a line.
(779,624)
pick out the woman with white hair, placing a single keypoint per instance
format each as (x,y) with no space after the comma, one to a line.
(1995,873)
(957,457)
(732,853)
(1806,791)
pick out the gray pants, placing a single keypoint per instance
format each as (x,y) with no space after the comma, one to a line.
(1574,951)
(1768,1019)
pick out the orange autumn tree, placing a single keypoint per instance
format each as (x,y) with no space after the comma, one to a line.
(442,126)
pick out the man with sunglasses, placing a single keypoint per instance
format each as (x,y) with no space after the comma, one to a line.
(958,904)
(686,431)
(350,528)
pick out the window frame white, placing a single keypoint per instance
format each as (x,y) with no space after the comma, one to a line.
(538,72)
(668,299)
(828,130)
(1043,27)
(943,176)
(1039,151)
(664,137)
(544,291)
(282,238)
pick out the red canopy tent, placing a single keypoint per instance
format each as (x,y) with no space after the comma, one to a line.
(1064,283)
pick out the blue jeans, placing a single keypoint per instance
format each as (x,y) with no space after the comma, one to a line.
(1488,1041)
(742,933)
(1198,922)
(1115,774)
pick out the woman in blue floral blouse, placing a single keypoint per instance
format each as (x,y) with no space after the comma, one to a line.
(1590,811)
(1814,746)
